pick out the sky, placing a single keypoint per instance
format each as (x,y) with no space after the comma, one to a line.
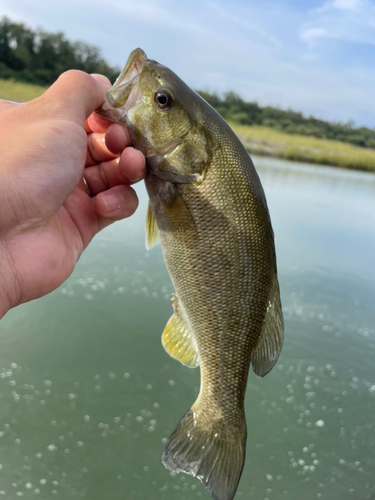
(313,56)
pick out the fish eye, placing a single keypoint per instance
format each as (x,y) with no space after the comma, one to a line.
(163,99)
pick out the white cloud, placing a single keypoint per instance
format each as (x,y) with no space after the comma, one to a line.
(343,20)
(310,35)
(346,4)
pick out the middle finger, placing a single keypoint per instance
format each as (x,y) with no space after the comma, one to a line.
(129,168)
(97,150)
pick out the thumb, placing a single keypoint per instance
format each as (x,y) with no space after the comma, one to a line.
(74,96)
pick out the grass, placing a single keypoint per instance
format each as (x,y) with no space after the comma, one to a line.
(17,91)
(270,142)
(257,140)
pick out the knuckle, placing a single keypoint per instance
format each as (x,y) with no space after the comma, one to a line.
(79,78)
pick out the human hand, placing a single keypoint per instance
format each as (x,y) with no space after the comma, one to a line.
(48,217)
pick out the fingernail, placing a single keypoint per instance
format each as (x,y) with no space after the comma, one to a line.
(111,202)
(144,171)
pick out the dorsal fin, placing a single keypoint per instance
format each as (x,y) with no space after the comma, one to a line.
(265,355)
(178,340)
(152,232)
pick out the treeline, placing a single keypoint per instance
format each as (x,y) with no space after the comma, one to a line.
(40,57)
(233,108)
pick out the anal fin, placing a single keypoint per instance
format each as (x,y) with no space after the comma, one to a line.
(178,340)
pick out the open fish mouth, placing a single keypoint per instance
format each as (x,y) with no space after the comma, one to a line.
(126,91)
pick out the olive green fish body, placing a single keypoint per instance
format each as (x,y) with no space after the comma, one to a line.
(210,213)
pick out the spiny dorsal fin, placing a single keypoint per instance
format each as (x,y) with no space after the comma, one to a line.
(270,342)
(152,232)
(178,340)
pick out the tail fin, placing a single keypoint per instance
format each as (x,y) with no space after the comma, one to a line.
(214,459)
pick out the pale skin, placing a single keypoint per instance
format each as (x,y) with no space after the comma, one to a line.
(48,214)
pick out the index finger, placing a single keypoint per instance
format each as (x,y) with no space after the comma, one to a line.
(97,123)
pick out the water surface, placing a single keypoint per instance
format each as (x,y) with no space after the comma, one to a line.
(88,396)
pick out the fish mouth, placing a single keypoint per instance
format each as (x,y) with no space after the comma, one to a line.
(126,90)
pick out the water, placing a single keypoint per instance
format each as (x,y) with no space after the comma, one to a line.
(88,395)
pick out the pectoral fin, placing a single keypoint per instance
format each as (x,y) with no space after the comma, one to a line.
(265,355)
(178,340)
(152,232)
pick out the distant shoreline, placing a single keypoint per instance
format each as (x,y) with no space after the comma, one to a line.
(262,141)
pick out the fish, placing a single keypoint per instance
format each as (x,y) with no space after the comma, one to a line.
(208,209)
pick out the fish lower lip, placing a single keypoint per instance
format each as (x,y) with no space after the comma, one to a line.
(110,114)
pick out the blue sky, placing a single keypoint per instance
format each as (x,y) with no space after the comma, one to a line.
(313,56)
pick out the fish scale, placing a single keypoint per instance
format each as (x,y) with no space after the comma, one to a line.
(208,208)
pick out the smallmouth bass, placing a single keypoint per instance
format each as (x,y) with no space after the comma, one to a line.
(208,209)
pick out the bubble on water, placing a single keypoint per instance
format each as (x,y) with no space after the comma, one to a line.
(17,441)
(171,382)
(28,486)
(88,296)
(51,447)
(97,387)
(19,493)
(305,449)
(301,462)
(156,405)
(164,440)
(43,481)
(139,418)
(86,418)
(71,396)
(126,375)
(269,477)
(112,375)
(149,387)
(319,423)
